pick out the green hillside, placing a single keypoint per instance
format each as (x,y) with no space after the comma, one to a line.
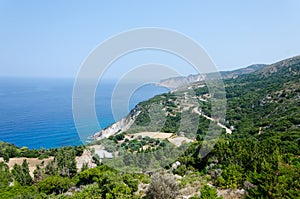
(257,154)
(262,153)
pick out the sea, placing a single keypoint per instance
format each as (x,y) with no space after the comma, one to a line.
(37,112)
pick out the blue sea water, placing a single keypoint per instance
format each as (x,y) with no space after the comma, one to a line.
(36,112)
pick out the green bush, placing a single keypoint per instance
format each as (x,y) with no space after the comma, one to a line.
(207,192)
(55,184)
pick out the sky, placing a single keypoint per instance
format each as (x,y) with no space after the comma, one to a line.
(52,38)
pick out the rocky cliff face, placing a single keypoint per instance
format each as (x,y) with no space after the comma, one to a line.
(120,126)
(175,82)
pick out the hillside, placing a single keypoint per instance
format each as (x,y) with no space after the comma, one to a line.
(263,116)
(175,82)
(267,100)
(155,152)
(254,102)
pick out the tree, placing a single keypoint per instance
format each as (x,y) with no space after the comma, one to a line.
(90,191)
(18,191)
(21,174)
(131,182)
(112,186)
(55,184)
(5,176)
(38,173)
(92,175)
(51,169)
(5,157)
(26,175)
(65,160)
(232,177)
(84,167)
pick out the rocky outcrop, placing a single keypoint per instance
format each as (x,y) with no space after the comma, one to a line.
(85,159)
(120,126)
(176,82)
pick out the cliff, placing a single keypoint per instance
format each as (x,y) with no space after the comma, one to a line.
(120,126)
(175,82)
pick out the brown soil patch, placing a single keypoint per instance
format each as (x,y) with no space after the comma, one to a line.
(32,162)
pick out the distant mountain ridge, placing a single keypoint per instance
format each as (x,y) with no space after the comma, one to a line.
(285,66)
(175,82)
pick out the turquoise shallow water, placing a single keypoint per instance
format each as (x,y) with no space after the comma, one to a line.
(38,112)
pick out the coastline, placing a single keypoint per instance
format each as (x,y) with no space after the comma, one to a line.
(120,126)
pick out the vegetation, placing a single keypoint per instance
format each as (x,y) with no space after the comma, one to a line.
(131,144)
(21,174)
(162,186)
(8,150)
(207,192)
(5,176)
(261,156)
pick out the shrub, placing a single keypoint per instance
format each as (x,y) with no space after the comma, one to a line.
(162,186)
(207,192)
(55,184)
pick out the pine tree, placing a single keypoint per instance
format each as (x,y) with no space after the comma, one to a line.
(21,174)
(65,160)
(26,175)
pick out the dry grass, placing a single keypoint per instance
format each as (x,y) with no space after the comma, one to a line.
(156,135)
(32,162)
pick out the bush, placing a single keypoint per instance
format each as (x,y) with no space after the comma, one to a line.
(111,185)
(18,191)
(207,192)
(162,186)
(55,184)
(131,182)
(92,175)
(120,136)
(232,177)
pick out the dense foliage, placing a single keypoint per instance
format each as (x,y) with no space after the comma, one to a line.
(8,150)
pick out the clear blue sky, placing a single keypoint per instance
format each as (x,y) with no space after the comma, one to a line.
(52,38)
